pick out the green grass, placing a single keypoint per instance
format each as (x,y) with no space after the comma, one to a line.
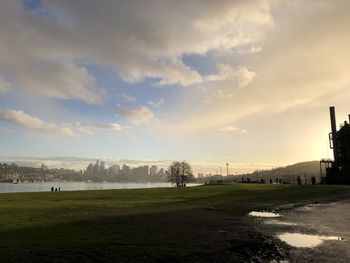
(143,224)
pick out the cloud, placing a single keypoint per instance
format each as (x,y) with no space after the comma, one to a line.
(66,131)
(156,103)
(136,115)
(62,80)
(303,61)
(25,120)
(232,129)
(241,75)
(70,130)
(4,85)
(45,49)
(123,97)
(91,128)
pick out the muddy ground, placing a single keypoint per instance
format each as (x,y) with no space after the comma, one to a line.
(330,218)
(218,238)
(213,231)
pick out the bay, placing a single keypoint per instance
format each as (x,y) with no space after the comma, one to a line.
(75,186)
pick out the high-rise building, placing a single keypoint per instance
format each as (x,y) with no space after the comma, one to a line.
(153,170)
(113,170)
(89,170)
(96,167)
(125,169)
(145,169)
(102,165)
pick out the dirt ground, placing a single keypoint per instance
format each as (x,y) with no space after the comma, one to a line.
(215,233)
(326,219)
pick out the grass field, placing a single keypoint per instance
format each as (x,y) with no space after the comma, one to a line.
(138,225)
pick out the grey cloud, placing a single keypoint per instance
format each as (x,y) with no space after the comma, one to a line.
(136,115)
(4,85)
(139,39)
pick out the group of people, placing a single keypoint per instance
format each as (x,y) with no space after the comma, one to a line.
(55,189)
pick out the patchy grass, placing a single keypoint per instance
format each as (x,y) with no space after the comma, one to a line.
(138,225)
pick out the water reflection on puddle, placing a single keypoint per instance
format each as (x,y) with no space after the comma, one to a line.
(303,240)
(263,214)
(276,222)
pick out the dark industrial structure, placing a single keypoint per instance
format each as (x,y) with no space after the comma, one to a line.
(337,171)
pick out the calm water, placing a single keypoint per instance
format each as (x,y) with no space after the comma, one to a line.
(70,186)
(303,240)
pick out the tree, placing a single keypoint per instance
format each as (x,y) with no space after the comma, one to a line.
(180,173)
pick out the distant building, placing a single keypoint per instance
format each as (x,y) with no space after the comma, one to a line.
(337,171)
(125,169)
(96,167)
(113,170)
(44,167)
(153,170)
(90,170)
(145,170)
(102,165)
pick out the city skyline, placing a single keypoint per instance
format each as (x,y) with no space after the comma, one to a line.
(164,80)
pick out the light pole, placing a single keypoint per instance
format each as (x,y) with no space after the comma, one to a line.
(227,164)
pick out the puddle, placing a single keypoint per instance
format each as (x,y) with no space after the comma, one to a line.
(276,222)
(303,240)
(263,214)
(315,205)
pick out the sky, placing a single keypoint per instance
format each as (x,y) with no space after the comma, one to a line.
(247,82)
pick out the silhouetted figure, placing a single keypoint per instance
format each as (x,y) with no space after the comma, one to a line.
(52,189)
(55,189)
(59,189)
(280,181)
(313,180)
(276,180)
(298,180)
(270,181)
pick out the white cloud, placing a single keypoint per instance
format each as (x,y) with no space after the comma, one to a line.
(25,120)
(232,129)
(156,103)
(241,75)
(136,115)
(70,130)
(91,128)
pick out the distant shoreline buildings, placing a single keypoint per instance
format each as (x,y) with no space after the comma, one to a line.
(96,172)
(115,172)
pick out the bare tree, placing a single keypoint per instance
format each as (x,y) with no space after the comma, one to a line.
(180,173)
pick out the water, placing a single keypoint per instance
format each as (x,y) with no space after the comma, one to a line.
(303,240)
(277,222)
(263,214)
(71,186)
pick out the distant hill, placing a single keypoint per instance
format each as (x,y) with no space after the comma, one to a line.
(289,173)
